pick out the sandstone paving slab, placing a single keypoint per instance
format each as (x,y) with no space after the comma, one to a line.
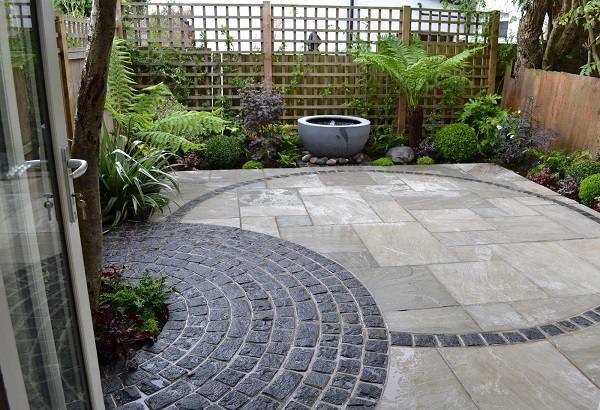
(588,249)
(556,270)
(440,199)
(451,220)
(293,220)
(420,379)
(300,181)
(388,209)
(220,207)
(403,243)
(494,317)
(429,183)
(472,238)
(405,288)
(581,224)
(474,253)
(346,179)
(339,210)
(540,311)
(474,283)
(489,172)
(525,376)
(325,239)
(533,228)
(512,206)
(268,197)
(450,319)
(261,224)
(583,349)
(352,260)
(489,212)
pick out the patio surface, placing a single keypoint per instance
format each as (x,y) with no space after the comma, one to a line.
(476,289)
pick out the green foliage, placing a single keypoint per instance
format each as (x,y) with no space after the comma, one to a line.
(483,114)
(457,142)
(589,190)
(138,117)
(223,152)
(557,161)
(132,184)
(582,170)
(252,165)
(74,8)
(425,161)
(411,68)
(144,298)
(384,138)
(383,162)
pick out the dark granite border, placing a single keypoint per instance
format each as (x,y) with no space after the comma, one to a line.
(509,337)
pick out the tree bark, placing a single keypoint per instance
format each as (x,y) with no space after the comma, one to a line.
(86,139)
(564,35)
(529,48)
(415,125)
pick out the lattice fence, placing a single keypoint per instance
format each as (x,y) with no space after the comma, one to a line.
(205,52)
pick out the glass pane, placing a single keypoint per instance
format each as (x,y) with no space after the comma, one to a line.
(34,263)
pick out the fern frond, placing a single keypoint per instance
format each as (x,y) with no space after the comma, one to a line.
(120,93)
(191,123)
(149,99)
(167,141)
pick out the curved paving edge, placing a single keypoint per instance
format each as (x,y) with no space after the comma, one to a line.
(176,216)
(256,322)
(530,334)
(517,336)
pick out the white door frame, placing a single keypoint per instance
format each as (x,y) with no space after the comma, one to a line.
(14,384)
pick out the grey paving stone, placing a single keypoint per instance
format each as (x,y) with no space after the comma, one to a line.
(168,396)
(283,385)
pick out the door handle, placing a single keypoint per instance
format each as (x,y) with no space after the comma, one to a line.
(18,170)
(79,166)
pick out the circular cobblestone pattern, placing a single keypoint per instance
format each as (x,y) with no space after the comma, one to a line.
(255,323)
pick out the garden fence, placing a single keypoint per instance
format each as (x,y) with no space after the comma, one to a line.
(566,103)
(206,52)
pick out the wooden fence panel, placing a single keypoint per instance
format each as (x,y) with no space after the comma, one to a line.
(206,52)
(568,103)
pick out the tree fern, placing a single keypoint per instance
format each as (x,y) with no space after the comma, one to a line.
(414,72)
(168,141)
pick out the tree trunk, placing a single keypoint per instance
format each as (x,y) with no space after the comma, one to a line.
(529,49)
(415,125)
(86,139)
(564,35)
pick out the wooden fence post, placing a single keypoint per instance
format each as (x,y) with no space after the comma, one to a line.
(65,72)
(406,30)
(119,19)
(267,40)
(494,32)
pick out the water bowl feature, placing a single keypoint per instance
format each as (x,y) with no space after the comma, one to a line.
(333,136)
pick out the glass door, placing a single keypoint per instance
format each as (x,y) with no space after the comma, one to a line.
(47,354)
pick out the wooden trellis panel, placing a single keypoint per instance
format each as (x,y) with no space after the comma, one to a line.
(212,49)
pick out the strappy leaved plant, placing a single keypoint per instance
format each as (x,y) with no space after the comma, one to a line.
(415,73)
(135,113)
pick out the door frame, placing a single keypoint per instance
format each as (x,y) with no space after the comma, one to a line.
(74,254)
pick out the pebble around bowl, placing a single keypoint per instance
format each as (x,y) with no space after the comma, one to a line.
(333,136)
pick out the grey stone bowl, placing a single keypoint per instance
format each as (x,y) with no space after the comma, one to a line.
(333,136)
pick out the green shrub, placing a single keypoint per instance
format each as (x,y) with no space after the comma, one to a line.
(457,142)
(132,184)
(252,165)
(130,313)
(582,170)
(559,162)
(589,190)
(222,152)
(384,138)
(425,161)
(482,113)
(383,162)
